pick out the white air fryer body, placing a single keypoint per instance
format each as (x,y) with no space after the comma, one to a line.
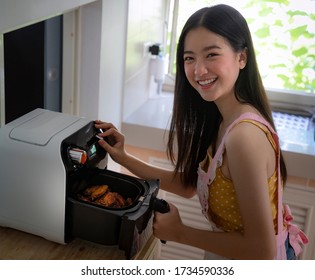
(32,174)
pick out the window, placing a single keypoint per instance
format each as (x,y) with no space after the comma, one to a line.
(283,32)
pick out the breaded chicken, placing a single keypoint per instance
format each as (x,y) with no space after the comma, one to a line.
(96,191)
(107,200)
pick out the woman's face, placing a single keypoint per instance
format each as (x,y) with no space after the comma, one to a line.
(211,65)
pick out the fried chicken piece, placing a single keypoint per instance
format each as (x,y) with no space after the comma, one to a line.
(96,191)
(113,200)
(88,191)
(101,194)
(107,200)
(120,201)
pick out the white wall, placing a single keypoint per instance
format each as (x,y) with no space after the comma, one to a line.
(113,60)
(103,28)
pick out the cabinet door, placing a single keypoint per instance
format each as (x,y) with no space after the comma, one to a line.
(302,204)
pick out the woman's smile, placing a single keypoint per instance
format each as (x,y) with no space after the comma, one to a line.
(206,83)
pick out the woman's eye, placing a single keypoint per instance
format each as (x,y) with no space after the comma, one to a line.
(188,58)
(212,55)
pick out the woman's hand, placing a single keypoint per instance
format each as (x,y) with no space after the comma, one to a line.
(115,144)
(167,226)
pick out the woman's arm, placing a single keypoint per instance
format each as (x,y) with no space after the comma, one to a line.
(116,148)
(251,162)
(231,245)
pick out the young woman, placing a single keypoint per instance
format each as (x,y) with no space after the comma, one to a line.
(228,151)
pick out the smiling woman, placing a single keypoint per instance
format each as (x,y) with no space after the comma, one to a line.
(220,115)
(283,34)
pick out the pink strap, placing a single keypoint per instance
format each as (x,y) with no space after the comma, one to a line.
(219,151)
(282,235)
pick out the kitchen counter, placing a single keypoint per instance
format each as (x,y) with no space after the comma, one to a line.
(17,245)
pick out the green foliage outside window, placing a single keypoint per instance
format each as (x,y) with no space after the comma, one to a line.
(285,31)
(284,38)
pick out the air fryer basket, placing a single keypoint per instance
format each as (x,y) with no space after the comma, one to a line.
(102,224)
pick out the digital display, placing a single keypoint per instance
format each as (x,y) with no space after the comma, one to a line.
(92,150)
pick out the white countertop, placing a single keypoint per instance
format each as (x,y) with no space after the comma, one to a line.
(153,118)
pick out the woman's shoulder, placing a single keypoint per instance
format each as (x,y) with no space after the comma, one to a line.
(247,136)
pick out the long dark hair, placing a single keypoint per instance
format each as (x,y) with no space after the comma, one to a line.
(195,122)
